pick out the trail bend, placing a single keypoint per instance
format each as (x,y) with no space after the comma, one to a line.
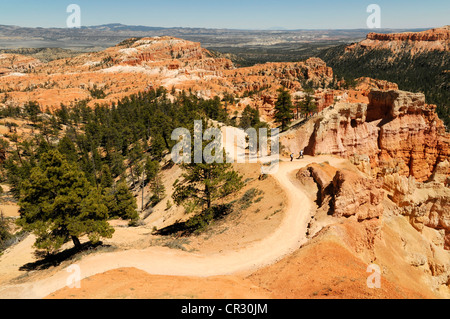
(287,238)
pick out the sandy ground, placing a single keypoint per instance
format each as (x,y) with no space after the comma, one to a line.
(286,239)
(131,283)
(9,210)
(326,267)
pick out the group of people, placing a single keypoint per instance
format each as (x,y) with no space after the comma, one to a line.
(300,156)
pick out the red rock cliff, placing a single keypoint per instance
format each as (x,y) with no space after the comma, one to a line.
(396,131)
(438,34)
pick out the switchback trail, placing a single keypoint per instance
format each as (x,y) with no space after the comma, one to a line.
(287,238)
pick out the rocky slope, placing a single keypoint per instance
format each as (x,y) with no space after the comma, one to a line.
(437,34)
(391,221)
(17,63)
(42,54)
(396,138)
(396,130)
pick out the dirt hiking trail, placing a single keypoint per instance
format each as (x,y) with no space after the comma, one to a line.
(287,238)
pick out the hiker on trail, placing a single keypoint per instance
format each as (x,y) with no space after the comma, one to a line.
(301,154)
(292,157)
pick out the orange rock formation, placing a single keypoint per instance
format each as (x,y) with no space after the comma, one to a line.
(137,64)
(396,129)
(435,39)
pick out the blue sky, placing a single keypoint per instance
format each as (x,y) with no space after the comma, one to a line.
(235,14)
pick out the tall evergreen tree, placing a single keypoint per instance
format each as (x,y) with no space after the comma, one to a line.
(152,170)
(4,230)
(59,204)
(106,178)
(308,105)
(203,183)
(284,109)
(250,118)
(32,109)
(67,148)
(121,203)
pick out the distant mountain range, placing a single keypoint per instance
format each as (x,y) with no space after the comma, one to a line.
(122,27)
(94,38)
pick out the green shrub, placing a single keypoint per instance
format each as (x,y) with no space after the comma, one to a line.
(4,230)
(248,198)
(201,221)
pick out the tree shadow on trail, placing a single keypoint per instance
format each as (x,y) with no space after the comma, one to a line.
(52,260)
(179,228)
(198,223)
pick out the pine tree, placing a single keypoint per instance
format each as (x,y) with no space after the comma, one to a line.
(152,170)
(308,105)
(134,162)
(250,118)
(4,230)
(67,148)
(283,109)
(4,146)
(32,109)
(158,146)
(116,163)
(106,179)
(59,204)
(203,183)
(121,203)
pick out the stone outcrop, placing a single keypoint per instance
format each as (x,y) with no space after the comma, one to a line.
(442,173)
(319,176)
(354,209)
(274,75)
(396,130)
(347,193)
(437,39)
(413,135)
(343,132)
(354,195)
(316,68)
(425,204)
(437,34)
(393,103)
(366,85)
(396,138)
